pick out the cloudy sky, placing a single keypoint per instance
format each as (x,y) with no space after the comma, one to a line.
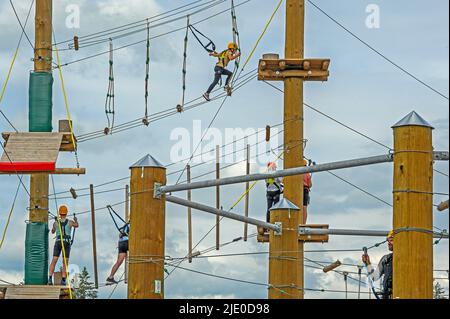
(364,91)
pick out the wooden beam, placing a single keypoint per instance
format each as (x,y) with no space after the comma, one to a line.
(43,36)
(147,234)
(274,69)
(264,238)
(413,207)
(57,171)
(293,118)
(283,255)
(94,236)
(127,218)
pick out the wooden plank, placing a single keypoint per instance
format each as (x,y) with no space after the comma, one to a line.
(302,238)
(33,292)
(66,144)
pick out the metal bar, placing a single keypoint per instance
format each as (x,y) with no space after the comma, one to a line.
(352,232)
(281,173)
(441,156)
(219,212)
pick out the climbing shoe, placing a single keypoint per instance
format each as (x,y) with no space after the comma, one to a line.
(111,281)
(63,282)
(50,281)
(206,96)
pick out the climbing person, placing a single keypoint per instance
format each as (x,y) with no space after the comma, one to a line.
(307,184)
(124,232)
(220,69)
(274,189)
(63,229)
(385,268)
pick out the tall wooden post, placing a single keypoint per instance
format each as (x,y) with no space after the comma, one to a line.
(218,198)
(94,235)
(39,182)
(283,256)
(147,231)
(413,208)
(293,116)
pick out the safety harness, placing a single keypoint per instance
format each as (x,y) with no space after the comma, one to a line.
(124,230)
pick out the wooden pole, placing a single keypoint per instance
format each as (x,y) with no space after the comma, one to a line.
(39,183)
(217,197)
(189,198)
(293,117)
(43,37)
(283,263)
(413,208)
(94,236)
(247,195)
(127,218)
(147,231)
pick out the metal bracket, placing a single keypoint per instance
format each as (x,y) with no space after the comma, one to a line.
(157,190)
(280,227)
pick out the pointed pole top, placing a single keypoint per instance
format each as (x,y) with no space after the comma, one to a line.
(147,161)
(412,119)
(284,204)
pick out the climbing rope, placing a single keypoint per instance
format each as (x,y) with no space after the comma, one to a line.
(236,39)
(147,73)
(9,215)
(66,103)
(58,219)
(109,103)
(180,107)
(210,46)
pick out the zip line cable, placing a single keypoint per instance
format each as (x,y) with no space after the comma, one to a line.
(344,125)
(20,23)
(101,33)
(378,52)
(143,28)
(15,55)
(162,114)
(152,38)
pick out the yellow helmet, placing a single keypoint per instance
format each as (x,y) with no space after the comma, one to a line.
(305,162)
(391,234)
(232,45)
(63,210)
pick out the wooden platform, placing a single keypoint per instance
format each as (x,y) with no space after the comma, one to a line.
(66,144)
(264,238)
(33,152)
(281,69)
(35,292)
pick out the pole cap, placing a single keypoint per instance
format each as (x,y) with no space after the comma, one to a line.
(147,161)
(412,119)
(284,204)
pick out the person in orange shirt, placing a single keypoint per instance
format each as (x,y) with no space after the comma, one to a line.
(307,185)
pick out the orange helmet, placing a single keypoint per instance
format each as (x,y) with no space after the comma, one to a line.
(232,45)
(63,210)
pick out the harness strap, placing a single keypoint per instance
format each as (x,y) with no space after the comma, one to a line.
(119,229)
(211,44)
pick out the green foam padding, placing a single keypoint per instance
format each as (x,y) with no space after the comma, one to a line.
(36,254)
(40,102)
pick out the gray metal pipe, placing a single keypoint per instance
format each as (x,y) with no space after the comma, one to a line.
(352,232)
(281,173)
(223,213)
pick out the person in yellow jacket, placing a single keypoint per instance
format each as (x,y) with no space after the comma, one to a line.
(220,69)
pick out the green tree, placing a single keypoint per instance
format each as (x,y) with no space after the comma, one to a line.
(86,289)
(439,291)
